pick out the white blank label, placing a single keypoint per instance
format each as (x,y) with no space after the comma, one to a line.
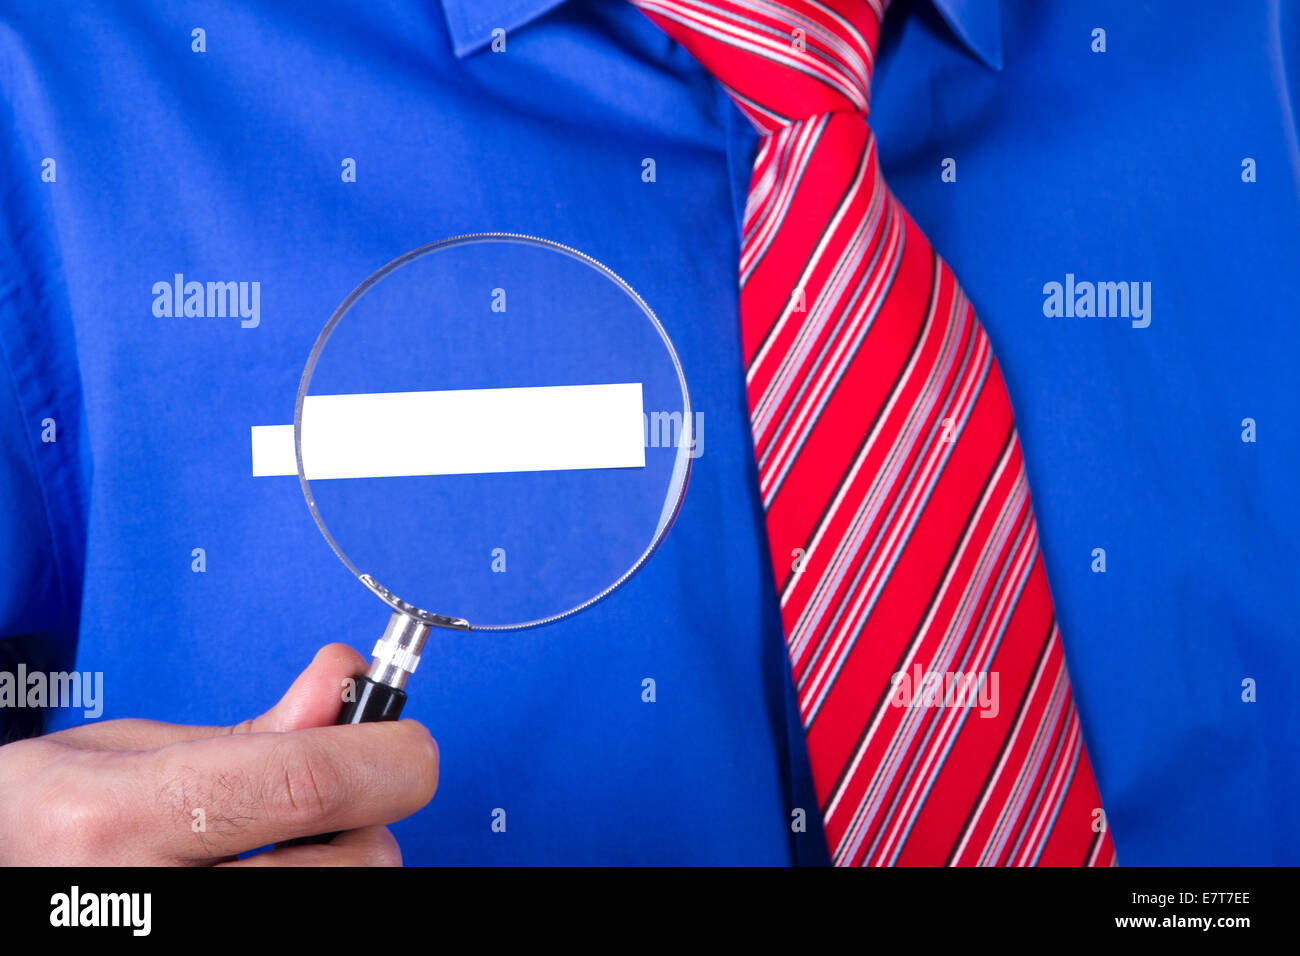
(469,431)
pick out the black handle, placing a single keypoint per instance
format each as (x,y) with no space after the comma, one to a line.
(371,702)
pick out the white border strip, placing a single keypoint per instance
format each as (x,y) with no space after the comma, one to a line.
(468,431)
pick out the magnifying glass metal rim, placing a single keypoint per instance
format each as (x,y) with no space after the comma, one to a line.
(681,468)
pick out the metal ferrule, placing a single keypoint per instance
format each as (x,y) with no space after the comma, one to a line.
(397,653)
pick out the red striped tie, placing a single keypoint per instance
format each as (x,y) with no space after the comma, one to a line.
(898,514)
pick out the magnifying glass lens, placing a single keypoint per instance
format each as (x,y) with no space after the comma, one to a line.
(494,428)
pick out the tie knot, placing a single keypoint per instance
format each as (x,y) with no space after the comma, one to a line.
(781,60)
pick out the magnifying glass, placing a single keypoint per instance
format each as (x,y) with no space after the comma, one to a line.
(492,432)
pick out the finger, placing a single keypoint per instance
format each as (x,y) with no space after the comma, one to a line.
(256,789)
(316,696)
(367,846)
(313,700)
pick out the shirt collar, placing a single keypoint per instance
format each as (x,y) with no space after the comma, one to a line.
(976,23)
(471,22)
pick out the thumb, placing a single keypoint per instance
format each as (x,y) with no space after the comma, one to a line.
(316,696)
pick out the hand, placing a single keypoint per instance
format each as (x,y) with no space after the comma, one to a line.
(138,792)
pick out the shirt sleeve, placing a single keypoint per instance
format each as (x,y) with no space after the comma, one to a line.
(44,458)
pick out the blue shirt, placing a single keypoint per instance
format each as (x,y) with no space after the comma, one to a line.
(1031,149)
